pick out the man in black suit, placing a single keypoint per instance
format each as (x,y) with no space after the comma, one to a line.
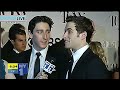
(18,41)
(8,47)
(39,31)
(84,63)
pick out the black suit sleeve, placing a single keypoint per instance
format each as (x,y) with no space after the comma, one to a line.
(97,70)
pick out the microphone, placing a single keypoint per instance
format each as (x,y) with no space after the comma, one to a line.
(48,68)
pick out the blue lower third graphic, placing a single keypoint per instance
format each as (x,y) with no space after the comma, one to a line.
(15,71)
(22,68)
(18,68)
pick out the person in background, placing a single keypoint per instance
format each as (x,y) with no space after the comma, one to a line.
(8,47)
(115,74)
(18,40)
(97,49)
(1,31)
(4,74)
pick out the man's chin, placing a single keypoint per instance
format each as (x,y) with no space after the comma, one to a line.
(43,46)
(66,46)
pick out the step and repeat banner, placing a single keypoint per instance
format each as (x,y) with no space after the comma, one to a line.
(106,26)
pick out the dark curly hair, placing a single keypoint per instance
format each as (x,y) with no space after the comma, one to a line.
(82,24)
(38,19)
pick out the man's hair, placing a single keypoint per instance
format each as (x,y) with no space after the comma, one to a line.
(15,32)
(15,29)
(82,24)
(38,19)
(18,25)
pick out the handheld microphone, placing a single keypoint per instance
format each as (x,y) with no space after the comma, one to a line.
(49,67)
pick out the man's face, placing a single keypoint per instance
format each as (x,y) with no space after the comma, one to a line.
(71,37)
(41,35)
(20,43)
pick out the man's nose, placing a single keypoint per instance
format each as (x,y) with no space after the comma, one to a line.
(65,35)
(45,36)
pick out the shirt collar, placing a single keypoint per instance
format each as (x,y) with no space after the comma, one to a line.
(43,51)
(16,51)
(79,52)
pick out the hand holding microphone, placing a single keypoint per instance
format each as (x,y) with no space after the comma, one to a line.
(48,68)
(41,76)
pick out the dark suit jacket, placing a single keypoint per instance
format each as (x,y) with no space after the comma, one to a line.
(26,55)
(62,56)
(14,57)
(90,66)
(7,48)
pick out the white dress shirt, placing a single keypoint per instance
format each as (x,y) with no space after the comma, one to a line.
(32,61)
(16,51)
(77,55)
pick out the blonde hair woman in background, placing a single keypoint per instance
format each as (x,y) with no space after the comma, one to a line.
(97,48)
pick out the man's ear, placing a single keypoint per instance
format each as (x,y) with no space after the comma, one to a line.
(84,35)
(30,34)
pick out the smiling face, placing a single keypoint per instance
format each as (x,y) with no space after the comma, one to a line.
(71,37)
(41,35)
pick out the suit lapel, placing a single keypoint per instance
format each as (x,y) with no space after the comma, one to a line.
(27,55)
(50,58)
(82,60)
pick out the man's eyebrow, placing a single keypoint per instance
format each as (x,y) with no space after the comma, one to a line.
(39,30)
(68,29)
(43,30)
(21,39)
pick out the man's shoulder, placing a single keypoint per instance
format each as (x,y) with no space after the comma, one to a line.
(13,53)
(8,45)
(94,60)
(26,52)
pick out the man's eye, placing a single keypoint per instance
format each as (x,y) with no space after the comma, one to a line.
(69,31)
(39,32)
(48,31)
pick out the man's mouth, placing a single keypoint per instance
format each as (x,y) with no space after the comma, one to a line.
(66,41)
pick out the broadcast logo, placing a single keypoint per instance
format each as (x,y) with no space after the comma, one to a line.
(13,68)
(48,67)
(18,68)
